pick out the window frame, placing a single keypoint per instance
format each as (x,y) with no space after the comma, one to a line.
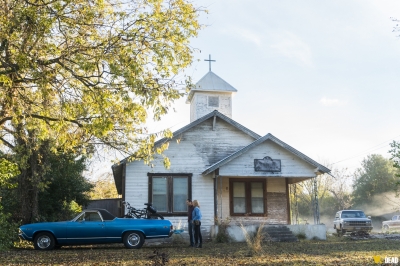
(248,182)
(170,191)
(208,101)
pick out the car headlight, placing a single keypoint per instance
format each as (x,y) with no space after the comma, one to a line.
(345,222)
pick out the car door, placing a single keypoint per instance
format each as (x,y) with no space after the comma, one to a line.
(88,228)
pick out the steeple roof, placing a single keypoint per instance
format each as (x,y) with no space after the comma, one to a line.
(211,82)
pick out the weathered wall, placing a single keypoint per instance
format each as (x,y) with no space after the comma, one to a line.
(203,145)
(199,105)
(291,165)
(198,148)
(277,211)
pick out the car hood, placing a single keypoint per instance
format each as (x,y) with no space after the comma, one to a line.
(44,224)
(389,221)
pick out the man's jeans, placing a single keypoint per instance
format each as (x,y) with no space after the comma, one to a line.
(190,231)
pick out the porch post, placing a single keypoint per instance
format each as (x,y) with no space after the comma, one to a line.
(215,198)
(217,212)
(316,204)
(288,205)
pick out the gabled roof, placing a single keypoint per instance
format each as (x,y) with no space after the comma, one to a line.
(201,120)
(211,82)
(204,118)
(118,168)
(269,136)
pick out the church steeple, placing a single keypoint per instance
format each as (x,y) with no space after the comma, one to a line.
(210,93)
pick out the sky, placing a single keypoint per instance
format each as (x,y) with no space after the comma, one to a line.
(322,76)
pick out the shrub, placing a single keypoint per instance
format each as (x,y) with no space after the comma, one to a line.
(8,232)
(301,236)
(222,235)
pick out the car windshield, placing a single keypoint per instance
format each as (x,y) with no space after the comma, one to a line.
(353,214)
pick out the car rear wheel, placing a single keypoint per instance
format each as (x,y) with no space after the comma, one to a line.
(133,240)
(44,241)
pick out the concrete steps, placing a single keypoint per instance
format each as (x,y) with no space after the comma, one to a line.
(279,233)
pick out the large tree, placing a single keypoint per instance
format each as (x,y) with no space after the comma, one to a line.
(65,186)
(79,73)
(340,190)
(103,187)
(376,175)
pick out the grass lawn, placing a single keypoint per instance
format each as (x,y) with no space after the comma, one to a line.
(334,251)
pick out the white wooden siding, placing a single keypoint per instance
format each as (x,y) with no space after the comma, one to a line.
(198,148)
(206,144)
(291,165)
(199,105)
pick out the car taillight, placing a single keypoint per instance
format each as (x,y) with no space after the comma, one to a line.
(171,228)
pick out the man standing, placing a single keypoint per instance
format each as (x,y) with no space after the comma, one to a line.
(190,222)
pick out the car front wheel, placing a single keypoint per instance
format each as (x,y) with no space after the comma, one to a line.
(386,229)
(133,240)
(44,241)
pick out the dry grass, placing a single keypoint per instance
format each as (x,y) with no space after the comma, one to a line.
(222,235)
(334,251)
(254,240)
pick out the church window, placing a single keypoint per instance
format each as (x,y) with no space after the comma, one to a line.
(213,101)
(168,192)
(247,197)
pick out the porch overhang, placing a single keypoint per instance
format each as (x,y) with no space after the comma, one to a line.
(290,179)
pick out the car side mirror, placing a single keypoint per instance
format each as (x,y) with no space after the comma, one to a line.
(369,217)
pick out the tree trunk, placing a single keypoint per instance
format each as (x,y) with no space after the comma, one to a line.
(33,167)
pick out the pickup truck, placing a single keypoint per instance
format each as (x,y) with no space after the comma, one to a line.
(352,221)
(391,224)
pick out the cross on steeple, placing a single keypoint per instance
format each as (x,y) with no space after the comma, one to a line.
(209,62)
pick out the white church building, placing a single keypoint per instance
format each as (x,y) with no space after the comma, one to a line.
(232,171)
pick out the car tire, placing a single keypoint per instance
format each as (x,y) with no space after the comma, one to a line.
(342,231)
(156,216)
(133,240)
(44,241)
(386,229)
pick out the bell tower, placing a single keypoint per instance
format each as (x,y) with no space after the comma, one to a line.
(210,93)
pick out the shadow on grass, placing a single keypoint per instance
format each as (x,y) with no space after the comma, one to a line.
(335,250)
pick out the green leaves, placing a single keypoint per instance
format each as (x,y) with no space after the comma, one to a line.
(76,74)
(8,170)
(376,175)
(86,72)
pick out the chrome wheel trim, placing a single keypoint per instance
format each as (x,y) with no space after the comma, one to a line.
(133,239)
(43,241)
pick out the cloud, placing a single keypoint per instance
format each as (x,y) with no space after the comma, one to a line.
(245,34)
(331,102)
(250,36)
(291,46)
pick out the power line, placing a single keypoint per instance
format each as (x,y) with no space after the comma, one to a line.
(369,150)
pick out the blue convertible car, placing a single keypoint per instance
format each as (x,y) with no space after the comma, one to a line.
(95,226)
